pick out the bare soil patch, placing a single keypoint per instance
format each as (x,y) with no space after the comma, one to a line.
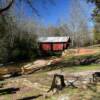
(80,51)
(41,63)
(83,51)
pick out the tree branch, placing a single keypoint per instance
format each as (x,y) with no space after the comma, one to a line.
(6,8)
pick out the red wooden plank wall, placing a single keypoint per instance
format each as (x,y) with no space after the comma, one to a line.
(54,46)
(46,46)
(58,46)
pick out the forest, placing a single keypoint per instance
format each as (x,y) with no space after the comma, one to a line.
(18,35)
(50,49)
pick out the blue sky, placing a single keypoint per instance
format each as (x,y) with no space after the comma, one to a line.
(54,13)
(51,14)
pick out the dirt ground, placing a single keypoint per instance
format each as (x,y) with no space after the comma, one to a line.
(80,51)
(30,87)
(39,63)
(83,51)
(44,62)
(33,85)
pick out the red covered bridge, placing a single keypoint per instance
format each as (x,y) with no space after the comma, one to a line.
(53,43)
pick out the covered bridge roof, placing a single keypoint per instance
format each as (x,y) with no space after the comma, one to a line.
(53,39)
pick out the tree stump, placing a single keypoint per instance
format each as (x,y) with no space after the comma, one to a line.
(57,83)
(96,76)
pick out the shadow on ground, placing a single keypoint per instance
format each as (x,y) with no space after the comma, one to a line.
(30,98)
(8,91)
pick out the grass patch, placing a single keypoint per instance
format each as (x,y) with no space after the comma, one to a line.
(80,57)
(82,68)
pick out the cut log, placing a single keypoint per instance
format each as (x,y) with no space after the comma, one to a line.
(96,76)
(57,83)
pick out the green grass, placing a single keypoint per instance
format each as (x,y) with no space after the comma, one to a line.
(82,68)
(78,94)
(89,93)
(69,68)
(43,78)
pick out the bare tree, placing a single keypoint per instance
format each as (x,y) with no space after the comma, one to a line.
(78,24)
(29,2)
(7,7)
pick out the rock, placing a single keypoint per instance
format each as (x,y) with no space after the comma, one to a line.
(98,88)
(26,66)
(63,97)
(77,62)
(97,61)
(48,94)
(84,87)
(50,62)
(1,65)
(7,75)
